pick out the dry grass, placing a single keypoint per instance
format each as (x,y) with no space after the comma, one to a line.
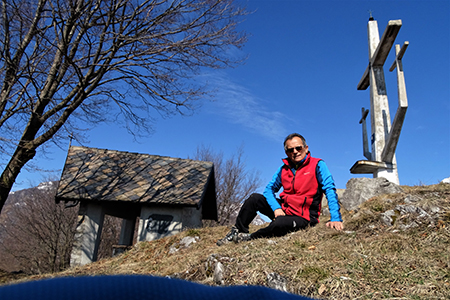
(367,261)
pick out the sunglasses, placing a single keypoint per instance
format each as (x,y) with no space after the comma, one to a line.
(298,148)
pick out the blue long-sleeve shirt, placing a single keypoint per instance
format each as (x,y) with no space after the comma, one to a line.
(326,183)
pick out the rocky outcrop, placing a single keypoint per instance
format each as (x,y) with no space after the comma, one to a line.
(413,213)
(185,242)
(215,266)
(277,282)
(412,208)
(359,190)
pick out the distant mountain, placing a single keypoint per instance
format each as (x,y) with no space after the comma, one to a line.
(21,197)
(18,203)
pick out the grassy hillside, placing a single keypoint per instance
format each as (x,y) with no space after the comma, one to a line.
(369,260)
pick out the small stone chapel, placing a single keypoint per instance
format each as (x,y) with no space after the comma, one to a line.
(166,194)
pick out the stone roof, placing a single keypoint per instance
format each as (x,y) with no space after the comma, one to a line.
(108,175)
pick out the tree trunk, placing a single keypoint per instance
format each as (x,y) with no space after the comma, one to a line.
(20,157)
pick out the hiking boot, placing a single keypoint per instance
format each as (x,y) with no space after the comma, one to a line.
(241,237)
(229,237)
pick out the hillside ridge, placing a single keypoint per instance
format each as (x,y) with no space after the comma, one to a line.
(370,258)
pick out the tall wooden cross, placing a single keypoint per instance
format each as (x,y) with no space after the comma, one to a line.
(381,162)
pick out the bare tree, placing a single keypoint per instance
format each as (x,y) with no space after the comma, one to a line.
(65,63)
(37,234)
(234,183)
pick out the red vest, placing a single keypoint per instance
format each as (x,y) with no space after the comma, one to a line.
(301,194)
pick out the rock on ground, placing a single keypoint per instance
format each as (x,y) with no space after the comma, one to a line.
(359,190)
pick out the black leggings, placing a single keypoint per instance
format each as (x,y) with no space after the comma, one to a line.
(278,227)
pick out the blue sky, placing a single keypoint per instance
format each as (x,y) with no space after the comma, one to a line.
(305,61)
